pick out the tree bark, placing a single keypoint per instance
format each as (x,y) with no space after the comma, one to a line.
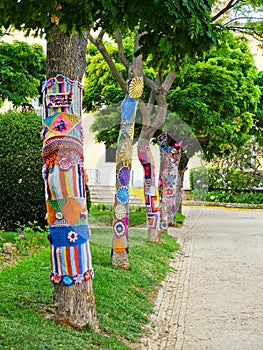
(66,212)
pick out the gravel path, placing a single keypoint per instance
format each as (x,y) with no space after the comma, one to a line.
(213,297)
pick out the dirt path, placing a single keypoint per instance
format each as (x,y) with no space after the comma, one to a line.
(213,300)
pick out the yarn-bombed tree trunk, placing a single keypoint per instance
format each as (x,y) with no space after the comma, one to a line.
(123,167)
(174,180)
(150,191)
(64,175)
(163,181)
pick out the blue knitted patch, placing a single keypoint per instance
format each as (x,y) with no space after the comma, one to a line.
(68,236)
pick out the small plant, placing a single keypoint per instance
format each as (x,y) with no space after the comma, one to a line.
(179,218)
(30,238)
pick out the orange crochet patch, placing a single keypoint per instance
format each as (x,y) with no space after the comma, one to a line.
(72,211)
(118,245)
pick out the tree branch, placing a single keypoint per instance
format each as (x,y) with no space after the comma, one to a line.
(150,83)
(151,100)
(122,57)
(168,82)
(230,5)
(244,17)
(135,69)
(102,49)
(146,115)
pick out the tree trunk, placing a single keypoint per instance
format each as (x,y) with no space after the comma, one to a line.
(150,190)
(163,183)
(64,177)
(174,160)
(120,247)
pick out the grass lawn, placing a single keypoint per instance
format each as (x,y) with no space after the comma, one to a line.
(103,215)
(122,297)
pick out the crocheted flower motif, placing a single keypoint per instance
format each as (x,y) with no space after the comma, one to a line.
(67,280)
(127,129)
(120,211)
(124,176)
(131,132)
(87,275)
(72,236)
(59,215)
(65,163)
(126,152)
(119,228)
(123,194)
(78,279)
(136,87)
(55,278)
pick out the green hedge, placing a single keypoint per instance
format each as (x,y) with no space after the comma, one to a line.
(22,196)
(216,179)
(212,184)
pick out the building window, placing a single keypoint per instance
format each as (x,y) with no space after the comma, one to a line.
(110,155)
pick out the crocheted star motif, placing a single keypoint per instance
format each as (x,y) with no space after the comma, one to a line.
(61,124)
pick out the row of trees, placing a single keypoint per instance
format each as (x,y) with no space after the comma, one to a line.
(167,33)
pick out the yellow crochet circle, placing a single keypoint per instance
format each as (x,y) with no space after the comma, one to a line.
(136,87)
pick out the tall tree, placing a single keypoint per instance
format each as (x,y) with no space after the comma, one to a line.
(204,139)
(159,87)
(64,177)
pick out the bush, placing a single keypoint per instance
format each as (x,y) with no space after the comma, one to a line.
(232,197)
(199,180)
(21,185)
(225,186)
(218,179)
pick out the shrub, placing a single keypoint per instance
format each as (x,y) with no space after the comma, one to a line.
(21,185)
(232,197)
(218,179)
(199,180)
(226,186)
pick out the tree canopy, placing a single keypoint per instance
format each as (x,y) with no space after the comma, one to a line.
(169,27)
(22,69)
(216,96)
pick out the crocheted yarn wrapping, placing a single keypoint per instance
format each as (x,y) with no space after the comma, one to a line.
(65,181)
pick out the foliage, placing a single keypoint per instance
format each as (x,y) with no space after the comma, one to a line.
(220,179)
(214,98)
(27,297)
(217,96)
(250,197)
(25,241)
(22,69)
(247,158)
(21,184)
(170,27)
(100,84)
